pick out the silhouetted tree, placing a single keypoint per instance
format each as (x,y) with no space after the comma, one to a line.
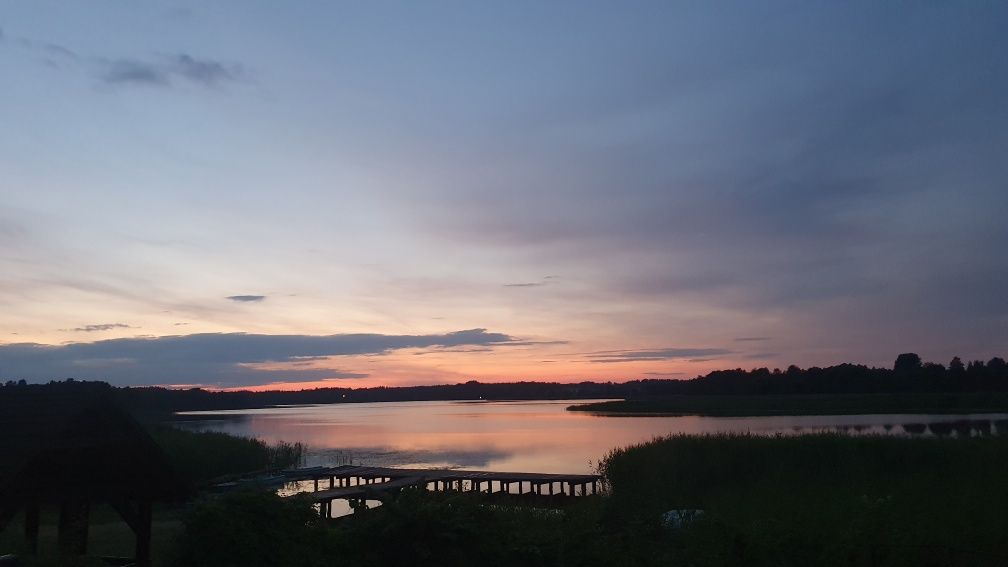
(956,366)
(996,365)
(975,367)
(907,363)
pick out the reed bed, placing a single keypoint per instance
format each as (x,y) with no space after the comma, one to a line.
(203,456)
(822,499)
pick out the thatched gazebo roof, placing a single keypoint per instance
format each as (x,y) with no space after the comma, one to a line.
(73,447)
(84,445)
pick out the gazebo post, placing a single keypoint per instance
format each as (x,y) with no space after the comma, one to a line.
(31,525)
(73,526)
(143,533)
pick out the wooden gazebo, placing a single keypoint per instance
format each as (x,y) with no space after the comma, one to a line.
(72,451)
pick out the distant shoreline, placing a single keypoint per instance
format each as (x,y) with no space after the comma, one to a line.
(794,404)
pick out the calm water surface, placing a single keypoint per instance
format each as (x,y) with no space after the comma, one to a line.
(525,436)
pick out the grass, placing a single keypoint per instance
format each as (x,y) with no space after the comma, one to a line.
(824,499)
(795,404)
(108,536)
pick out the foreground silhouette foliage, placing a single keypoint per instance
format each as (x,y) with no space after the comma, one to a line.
(417,528)
(202,456)
(821,499)
(252,528)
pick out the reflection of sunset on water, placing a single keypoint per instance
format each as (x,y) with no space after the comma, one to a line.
(539,436)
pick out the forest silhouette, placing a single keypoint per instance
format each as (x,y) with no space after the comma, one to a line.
(909,374)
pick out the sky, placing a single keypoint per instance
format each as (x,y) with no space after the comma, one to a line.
(300,194)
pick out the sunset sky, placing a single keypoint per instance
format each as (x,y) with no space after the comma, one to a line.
(353,194)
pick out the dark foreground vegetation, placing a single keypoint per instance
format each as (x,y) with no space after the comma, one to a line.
(418,528)
(202,457)
(822,499)
(909,375)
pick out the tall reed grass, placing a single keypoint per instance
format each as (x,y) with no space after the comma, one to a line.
(820,499)
(207,455)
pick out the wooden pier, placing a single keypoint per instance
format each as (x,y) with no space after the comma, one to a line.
(357,484)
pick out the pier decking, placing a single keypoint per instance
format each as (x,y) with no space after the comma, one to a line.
(359,483)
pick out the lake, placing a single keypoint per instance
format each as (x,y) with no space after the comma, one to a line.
(522,436)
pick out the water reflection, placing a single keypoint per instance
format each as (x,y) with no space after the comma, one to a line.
(538,436)
(959,428)
(385,457)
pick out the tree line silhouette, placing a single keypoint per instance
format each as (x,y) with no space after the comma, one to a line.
(909,374)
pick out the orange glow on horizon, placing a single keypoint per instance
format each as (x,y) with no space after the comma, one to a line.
(402,374)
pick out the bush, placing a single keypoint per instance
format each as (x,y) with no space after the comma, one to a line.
(253,528)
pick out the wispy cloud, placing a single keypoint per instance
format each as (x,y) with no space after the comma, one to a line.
(246,298)
(161,70)
(128,71)
(462,349)
(51,51)
(762,355)
(672,353)
(222,359)
(102,327)
(168,70)
(751,339)
(206,71)
(545,281)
